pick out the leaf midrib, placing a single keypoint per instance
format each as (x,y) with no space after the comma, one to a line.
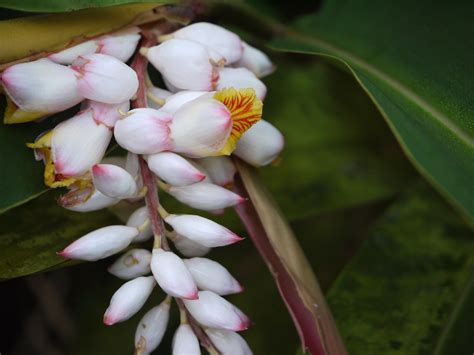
(350,59)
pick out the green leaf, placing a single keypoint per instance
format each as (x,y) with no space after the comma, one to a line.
(415,69)
(33,233)
(409,288)
(69,5)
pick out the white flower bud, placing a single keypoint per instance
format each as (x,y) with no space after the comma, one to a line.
(172,275)
(241,78)
(120,45)
(152,327)
(144,131)
(256,61)
(100,243)
(80,201)
(201,127)
(202,230)
(106,114)
(69,55)
(185,64)
(128,299)
(261,144)
(105,79)
(189,248)
(185,341)
(41,86)
(205,196)
(114,181)
(215,37)
(221,169)
(78,143)
(140,219)
(174,169)
(174,102)
(213,311)
(209,275)
(228,342)
(134,263)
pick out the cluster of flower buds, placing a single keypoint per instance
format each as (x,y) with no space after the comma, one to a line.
(212,109)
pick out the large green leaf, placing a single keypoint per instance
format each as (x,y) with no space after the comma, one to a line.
(414,60)
(409,288)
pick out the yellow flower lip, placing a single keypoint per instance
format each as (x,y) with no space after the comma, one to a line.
(246,110)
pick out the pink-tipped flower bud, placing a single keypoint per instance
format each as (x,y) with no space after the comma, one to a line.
(185,341)
(144,131)
(69,55)
(174,102)
(121,44)
(228,342)
(174,169)
(106,114)
(140,219)
(185,64)
(114,181)
(241,78)
(202,230)
(221,169)
(41,86)
(261,144)
(80,200)
(213,311)
(189,248)
(201,128)
(78,143)
(256,61)
(105,79)
(132,264)
(212,276)
(128,299)
(205,196)
(100,243)
(152,327)
(172,275)
(215,37)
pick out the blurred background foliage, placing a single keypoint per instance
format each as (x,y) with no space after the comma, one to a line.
(393,257)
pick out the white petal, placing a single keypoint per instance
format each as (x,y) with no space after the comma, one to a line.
(213,311)
(74,201)
(189,248)
(174,169)
(201,127)
(132,164)
(100,243)
(261,144)
(221,169)
(241,78)
(105,79)
(202,230)
(205,196)
(41,86)
(212,276)
(138,219)
(228,342)
(120,45)
(175,101)
(185,64)
(78,143)
(218,38)
(144,131)
(114,181)
(172,275)
(256,61)
(106,114)
(128,299)
(185,341)
(134,263)
(69,55)
(152,327)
